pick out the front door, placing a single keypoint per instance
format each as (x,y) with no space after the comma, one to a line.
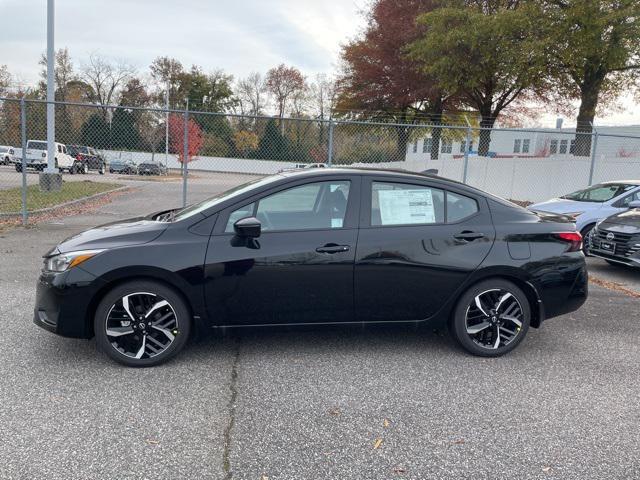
(300,270)
(417,244)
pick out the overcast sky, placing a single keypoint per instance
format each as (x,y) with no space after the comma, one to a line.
(238,36)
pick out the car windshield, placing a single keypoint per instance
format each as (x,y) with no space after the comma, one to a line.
(226,195)
(4,149)
(600,193)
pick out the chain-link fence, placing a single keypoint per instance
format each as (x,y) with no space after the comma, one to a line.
(100,149)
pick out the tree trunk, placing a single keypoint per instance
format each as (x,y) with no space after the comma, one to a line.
(402,137)
(436,131)
(486,124)
(589,92)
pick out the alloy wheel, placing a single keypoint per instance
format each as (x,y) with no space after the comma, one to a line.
(141,325)
(494,319)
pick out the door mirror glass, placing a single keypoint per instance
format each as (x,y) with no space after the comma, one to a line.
(249,227)
(634,204)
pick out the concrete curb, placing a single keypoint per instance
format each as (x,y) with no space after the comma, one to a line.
(65,204)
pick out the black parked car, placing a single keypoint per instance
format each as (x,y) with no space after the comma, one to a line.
(316,246)
(152,168)
(126,167)
(87,158)
(617,238)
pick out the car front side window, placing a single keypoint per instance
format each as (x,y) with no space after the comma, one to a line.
(319,205)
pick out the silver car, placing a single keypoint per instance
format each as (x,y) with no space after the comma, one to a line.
(592,204)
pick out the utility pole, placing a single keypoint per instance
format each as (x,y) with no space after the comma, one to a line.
(166,128)
(50,179)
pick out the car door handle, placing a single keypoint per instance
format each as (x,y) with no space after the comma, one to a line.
(468,236)
(332,248)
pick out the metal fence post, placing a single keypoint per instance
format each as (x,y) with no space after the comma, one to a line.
(23,133)
(330,146)
(466,154)
(594,148)
(185,156)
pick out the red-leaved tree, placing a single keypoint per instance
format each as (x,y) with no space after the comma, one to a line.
(176,137)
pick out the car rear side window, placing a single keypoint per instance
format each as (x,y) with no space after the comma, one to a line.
(404,204)
(459,207)
(319,205)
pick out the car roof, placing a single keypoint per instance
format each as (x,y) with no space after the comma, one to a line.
(376,172)
(626,182)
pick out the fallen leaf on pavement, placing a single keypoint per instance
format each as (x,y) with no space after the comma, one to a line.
(385,424)
(399,470)
(547,469)
(377,444)
(151,441)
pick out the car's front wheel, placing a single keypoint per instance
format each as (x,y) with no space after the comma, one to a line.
(491,318)
(586,239)
(142,323)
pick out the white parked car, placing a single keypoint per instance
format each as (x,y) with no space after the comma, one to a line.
(593,204)
(6,155)
(36,156)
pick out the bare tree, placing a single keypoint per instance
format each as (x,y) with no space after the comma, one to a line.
(283,83)
(105,79)
(323,93)
(252,94)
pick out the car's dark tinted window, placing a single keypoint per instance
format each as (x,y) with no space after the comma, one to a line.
(317,205)
(459,207)
(404,204)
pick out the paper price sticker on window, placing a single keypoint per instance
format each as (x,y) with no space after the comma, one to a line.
(402,207)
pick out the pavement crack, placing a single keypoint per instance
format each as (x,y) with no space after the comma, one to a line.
(231,407)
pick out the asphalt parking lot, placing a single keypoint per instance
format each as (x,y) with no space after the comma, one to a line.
(322,403)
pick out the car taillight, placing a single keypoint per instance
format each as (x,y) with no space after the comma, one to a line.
(574,239)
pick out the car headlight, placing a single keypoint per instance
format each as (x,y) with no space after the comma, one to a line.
(574,215)
(65,261)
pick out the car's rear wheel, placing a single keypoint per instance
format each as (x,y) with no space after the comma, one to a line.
(103,169)
(491,318)
(142,323)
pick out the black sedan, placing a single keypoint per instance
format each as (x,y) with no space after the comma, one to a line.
(617,238)
(316,246)
(152,168)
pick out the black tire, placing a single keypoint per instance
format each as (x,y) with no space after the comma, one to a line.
(103,169)
(136,292)
(585,238)
(481,343)
(19,167)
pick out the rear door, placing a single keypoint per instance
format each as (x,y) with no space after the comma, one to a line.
(418,243)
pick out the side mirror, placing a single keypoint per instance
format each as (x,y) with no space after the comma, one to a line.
(249,227)
(634,204)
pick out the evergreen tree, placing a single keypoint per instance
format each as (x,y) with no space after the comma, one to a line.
(273,145)
(95,132)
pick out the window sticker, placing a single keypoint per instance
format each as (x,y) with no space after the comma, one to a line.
(401,207)
(336,223)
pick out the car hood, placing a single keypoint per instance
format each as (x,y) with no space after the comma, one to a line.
(562,205)
(134,231)
(627,221)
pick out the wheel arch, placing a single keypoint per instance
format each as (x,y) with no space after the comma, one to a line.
(517,278)
(157,275)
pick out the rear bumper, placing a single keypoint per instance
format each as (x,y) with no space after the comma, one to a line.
(564,289)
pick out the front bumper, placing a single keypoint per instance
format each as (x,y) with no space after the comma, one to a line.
(64,302)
